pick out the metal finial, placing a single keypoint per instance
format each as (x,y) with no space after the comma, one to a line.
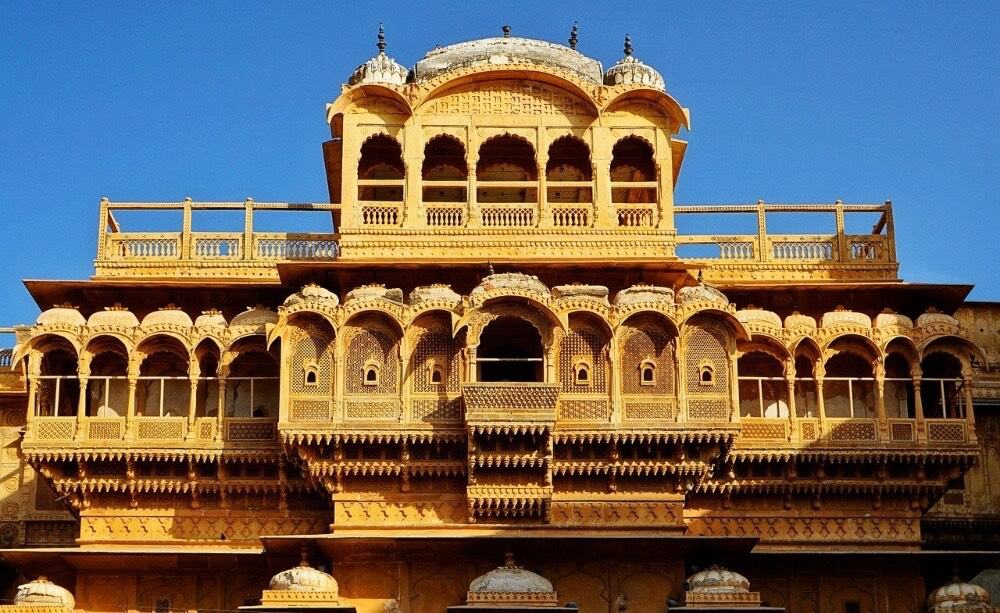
(573,37)
(506,31)
(628,46)
(701,277)
(491,271)
(381,38)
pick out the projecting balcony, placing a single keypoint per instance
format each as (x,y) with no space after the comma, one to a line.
(511,403)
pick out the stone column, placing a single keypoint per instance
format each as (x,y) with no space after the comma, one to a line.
(81,407)
(820,372)
(133,384)
(221,408)
(34,370)
(880,415)
(970,414)
(790,386)
(918,409)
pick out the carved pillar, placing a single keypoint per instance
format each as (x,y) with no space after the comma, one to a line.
(405,381)
(604,215)
(880,416)
(762,250)
(841,246)
(544,214)
(820,403)
(613,360)
(680,379)
(133,383)
(470,356)
(221,407)
(792,413)
(970,414)
(413,214)
(186,239)
(192,405)
(81,406)
(249,251)
(918,409)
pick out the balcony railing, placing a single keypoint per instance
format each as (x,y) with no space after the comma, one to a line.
(103,432)
(836,432)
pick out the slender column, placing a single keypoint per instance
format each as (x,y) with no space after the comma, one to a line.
(820,372)
(249,249)
(186,240)
(34,370)
(970,415)
(841,246)
(680,378)
(81,407)
(918,409)
(412,212)
(221,407)
(544,214)
(405,380)
(133,384)
(612,360)
(604,215)
(665,182)
(762,250)
(470,352)
(192,406)
(880,415)
(790,386)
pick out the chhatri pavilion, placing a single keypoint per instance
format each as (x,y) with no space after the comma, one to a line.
(505,378)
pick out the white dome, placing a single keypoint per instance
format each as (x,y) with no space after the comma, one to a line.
(41,591)
(718,580)
(760,316)
(887,319)
(701,293)
(65,315)
(255,316)
(510,280)
(798,320)
(379,69)
(169,315)
(303,578)
(373,291)
(630,71)
(113,316)
(429,293)
(511,579)
(581,290)
(499,51)
(958,596)
(210,318)
(933,317)
(843,317)
(312,293)
(644,293)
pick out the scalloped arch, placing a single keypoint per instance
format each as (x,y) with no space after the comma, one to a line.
(446,82)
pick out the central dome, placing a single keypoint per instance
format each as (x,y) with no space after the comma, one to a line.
(511,579)
(507,50)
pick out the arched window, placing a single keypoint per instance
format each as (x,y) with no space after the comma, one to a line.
(252,385)
(632,162)
(437,374)
(849,386)
(444,162)
(311,375)
(58,388)
(941,389)
(647,373)
(706,375)
(381,160)
(582,373)
(372,374)
(107,386)
(569,163)
(899,398)
(762,388)
(510,349)
(164,382)
(506,159)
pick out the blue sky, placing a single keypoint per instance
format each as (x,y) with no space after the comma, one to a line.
(791,102)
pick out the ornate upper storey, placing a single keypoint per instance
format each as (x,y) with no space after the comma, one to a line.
(516,151)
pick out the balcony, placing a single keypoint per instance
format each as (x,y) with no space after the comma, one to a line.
(249,253)
(513,404)
(859,432)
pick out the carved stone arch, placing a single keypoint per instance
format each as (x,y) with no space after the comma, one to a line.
(306,313)
(673,109)
(42,342)
(309,344)
(376,310)
(736,328)
(577,95)
(444,157)
(586,343)
(707,342)
(905,348)
(364,90)
(374,337)
(431,345)
(101,344)
(762,343)
(961,348)
(541,320)
(647,341)
(857,344)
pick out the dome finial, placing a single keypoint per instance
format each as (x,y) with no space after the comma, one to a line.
(304,557)
(506,31)
(508,560)
(628,46)
(381,38)
(573,37)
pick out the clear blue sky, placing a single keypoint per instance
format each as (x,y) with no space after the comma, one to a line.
(791,101)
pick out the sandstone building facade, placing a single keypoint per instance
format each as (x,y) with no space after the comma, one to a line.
(505,344)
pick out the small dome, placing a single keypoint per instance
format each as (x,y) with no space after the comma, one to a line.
(168,315)
(303,578)
(798,320)
(718,580)
(933,318)
(843,317)
(210,318)
(702,293)
(501,51)
(41,591)
(958,596)
(374,291)
(429,293)
(510,280)
(630,71)
(255,316)
(64,314)
(379,69)
(580,290)
(112,316)
(887,319)
(644,293)
(511,579)
(759,316)
(312,293)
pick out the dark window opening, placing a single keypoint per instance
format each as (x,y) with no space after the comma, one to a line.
(311,377)
(510,349)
